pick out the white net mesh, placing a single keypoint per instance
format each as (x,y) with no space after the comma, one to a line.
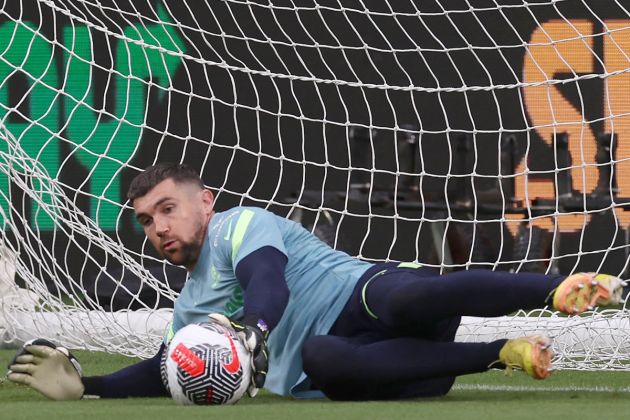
(458,134)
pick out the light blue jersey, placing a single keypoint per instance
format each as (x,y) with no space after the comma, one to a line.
(320,282)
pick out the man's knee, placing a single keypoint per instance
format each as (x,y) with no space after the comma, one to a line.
(310,357)
(324,358)
(316,357)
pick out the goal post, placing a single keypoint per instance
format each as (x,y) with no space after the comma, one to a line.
(456,134)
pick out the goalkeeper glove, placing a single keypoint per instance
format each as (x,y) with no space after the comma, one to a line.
(254,337)
(53,371)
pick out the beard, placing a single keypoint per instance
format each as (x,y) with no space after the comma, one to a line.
(189,252)
(187,255)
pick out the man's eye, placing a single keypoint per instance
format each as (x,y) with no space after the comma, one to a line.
(168,209)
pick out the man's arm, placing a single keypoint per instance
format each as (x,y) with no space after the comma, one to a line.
(49,370)
(261,275)
(142,379)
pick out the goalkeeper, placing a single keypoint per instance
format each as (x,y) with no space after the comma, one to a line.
(317,322)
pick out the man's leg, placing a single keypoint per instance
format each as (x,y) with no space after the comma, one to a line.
(420,302)
(407,298)
(364,368)
(370,354)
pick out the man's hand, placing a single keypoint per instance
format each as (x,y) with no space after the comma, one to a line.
(49,369)
(254,337)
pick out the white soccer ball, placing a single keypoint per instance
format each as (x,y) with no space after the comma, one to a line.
(206,364)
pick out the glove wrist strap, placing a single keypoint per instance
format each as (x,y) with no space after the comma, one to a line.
(253,320)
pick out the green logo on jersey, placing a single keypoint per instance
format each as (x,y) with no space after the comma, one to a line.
(215,277)
(235,303)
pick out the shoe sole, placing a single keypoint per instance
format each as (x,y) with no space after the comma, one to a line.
(585,291)
(541,357)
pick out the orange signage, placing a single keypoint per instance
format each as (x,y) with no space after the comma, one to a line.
(559,47)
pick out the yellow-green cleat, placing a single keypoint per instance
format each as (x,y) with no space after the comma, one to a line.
(531,354)
(583,291)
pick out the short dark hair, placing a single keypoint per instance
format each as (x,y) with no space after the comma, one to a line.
(153,175)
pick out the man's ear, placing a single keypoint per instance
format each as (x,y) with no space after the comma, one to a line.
(208,200)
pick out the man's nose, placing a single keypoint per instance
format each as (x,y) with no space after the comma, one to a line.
(161,226)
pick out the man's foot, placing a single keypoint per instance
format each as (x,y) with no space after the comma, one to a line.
(583,291)
(530,354)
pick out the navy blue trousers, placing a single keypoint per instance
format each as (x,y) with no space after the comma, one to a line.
(394,338)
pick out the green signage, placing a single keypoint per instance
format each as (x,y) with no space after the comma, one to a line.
(101,141)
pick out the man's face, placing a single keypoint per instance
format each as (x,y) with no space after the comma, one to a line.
(175,217)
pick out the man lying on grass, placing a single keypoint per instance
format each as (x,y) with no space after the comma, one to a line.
(317,321)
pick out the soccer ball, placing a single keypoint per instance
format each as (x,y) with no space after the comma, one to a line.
(206,363)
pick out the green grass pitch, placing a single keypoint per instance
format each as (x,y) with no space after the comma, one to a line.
(492,395)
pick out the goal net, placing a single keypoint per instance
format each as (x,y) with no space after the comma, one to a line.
(457,134)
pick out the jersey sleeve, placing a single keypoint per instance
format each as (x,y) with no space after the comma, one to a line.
(254,229)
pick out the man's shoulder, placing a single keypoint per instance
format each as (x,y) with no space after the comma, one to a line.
(238,210)
(240,219)
(248,215)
